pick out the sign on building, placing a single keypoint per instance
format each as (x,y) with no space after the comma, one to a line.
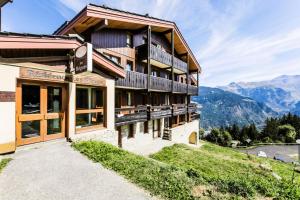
(83,61)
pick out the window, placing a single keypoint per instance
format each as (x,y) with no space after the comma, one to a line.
(129,40)
(89,107)
(129,65)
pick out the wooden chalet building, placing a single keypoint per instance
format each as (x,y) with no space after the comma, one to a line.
(137,87)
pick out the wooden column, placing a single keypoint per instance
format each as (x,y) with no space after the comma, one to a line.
(197,82)
(187,73)
(119,136)
(148,57)
(172,44)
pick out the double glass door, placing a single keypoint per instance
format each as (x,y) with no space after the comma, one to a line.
(40,112)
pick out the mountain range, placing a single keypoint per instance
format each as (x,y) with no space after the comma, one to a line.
(282,94)
(248,102)
(223,108)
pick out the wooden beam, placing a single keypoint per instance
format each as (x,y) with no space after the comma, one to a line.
(148,56)
(172,44)
(37,59)
(167,31)
(102,24)
(183,54)
(141,30)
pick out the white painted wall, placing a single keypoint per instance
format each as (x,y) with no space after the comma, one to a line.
(8,82)
(180,134)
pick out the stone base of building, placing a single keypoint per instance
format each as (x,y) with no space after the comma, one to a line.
(105,135)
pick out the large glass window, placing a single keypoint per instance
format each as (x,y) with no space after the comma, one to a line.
(30,99)
(54,99)
(89,107)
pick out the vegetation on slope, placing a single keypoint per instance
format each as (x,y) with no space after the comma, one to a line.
(4,162)
(231,171)
(210,172)
(162,180)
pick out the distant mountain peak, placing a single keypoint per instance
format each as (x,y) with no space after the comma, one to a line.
(280,93)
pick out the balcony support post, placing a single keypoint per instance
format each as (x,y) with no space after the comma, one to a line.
(187,73)
(197,82)
(148,58)
(172,43)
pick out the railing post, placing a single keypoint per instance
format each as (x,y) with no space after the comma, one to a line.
(148,57)
(172,42)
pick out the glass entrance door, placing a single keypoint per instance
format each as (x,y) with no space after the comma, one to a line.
(40,112)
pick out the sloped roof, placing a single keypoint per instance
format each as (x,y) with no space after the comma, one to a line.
(92,14)
(10,40)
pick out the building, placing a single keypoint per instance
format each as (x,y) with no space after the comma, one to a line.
(134,82)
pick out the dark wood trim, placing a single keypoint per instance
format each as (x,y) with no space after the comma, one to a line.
(167,31)
(172,70)
(102,24)
(38,59)
(187,73)
(148,56)
(6,96)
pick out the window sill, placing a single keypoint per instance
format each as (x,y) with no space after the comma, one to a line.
(90,129)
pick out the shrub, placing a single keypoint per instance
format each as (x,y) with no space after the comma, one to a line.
(287,133)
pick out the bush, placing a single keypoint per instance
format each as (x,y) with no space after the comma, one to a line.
(220,137)
(287,133)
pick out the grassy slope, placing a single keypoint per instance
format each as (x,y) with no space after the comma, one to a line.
(211,172)
(232,171)
(4,162)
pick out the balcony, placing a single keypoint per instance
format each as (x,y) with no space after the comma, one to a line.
(157,112)
(179,109)
(161,58)
(130,115)
(133,80)
(179,87)
(193,90)
(136,80)
(160,84)
(192,108)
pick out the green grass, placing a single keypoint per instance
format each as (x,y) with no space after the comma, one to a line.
(4,162)
(159,179)
(209,172)
(234,172)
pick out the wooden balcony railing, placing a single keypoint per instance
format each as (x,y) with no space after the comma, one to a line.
(179,109)
(179,87)
(130,115)
(162,57)
(133,80)
(156,112)
(193,90)
(160,84)
(192,108)
(139,80)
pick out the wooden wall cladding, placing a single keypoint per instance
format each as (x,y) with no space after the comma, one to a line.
(6,96)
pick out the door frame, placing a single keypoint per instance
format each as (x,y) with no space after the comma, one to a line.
(43,116)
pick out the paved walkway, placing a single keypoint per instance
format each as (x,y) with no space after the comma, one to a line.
(55,171)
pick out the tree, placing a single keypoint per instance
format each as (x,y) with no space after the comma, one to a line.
(287,133)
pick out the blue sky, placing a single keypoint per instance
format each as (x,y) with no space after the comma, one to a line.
(233,40)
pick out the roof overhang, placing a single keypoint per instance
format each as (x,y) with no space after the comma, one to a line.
(3,2)
(20,42)
(92,15)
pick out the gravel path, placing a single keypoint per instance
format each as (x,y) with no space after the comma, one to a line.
(55,171)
